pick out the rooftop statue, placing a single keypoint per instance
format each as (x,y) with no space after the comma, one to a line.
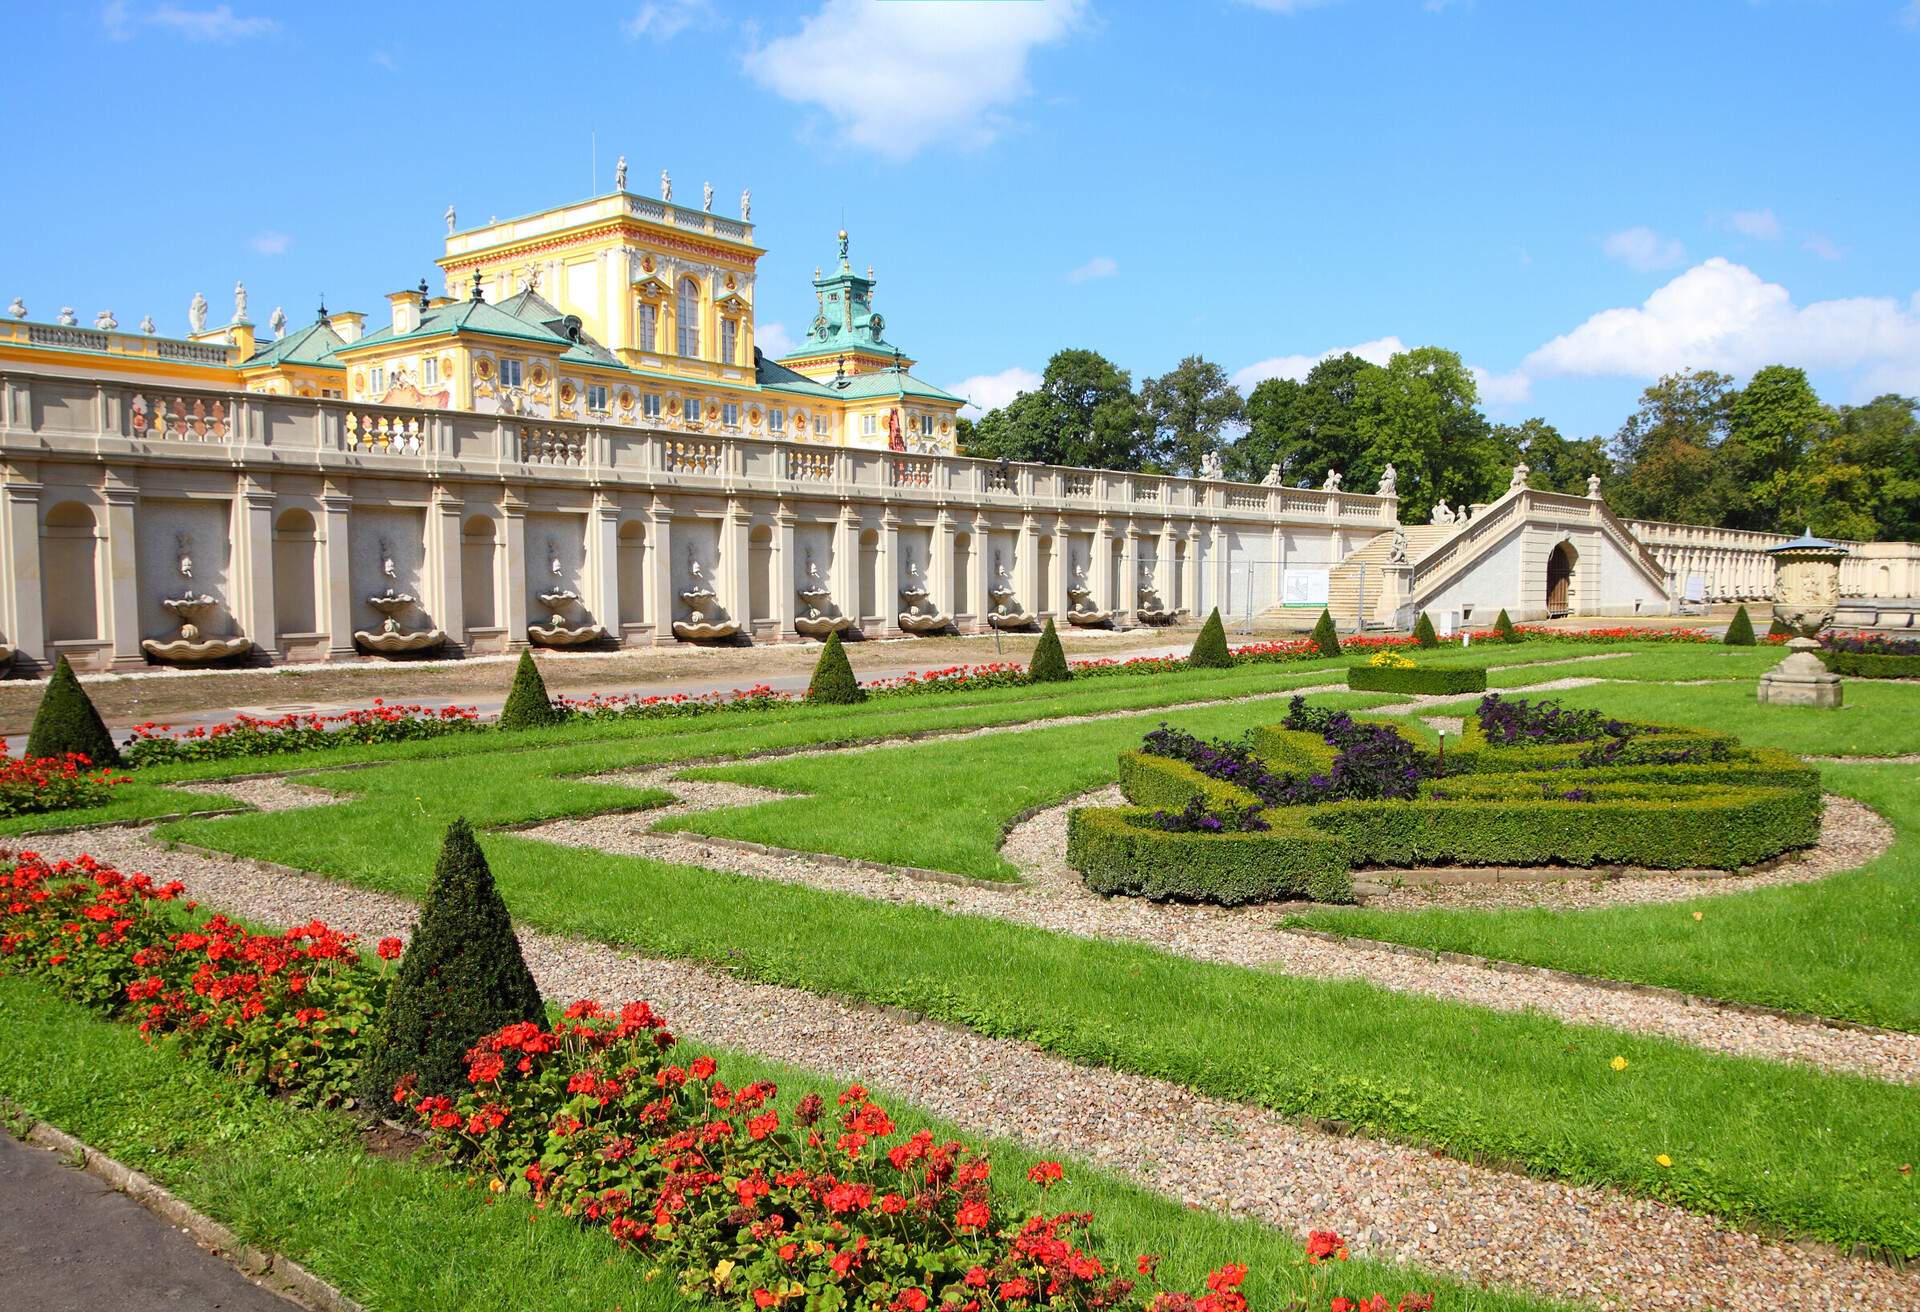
(1273,475)
(620,174)
(197,313)
(746,205)
(448,216)
(1389,482)
(707,200)
(239,302)
(1333,481)
(666,186)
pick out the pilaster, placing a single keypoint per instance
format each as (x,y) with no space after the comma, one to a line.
(1100,577)
(843,574)
(887,574)
(1026,564)
(981,563)
(123,598)
(734,550)
(660,569)
(602,584)
(786,573)
(443,585)
(251,597)
(1057,599)
(22,606)
(514,597)
(940,563)
(338,604)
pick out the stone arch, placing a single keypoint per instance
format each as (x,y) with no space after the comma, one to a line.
(70,556)
(480,572)
(1562,571)
(296,574)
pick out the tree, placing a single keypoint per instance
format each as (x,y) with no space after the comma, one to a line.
(1307,427)
(528,706)
(833,680)
(1666,450)
(1861,480)
(1423,633)
(1740,632)
(1210,645)
(1418,415)
(66,721)
(1189,410)
(1084,414)
(1049,664)
(1557,464)
(1772,424)
(1326,639)
(462,977)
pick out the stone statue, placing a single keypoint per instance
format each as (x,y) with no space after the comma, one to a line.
(448,216)
(1520,472)
(1465,514)
(1593,486)
(620,174)
(707,201)
(1333,481)
(1389,482)
(1442,514)
(746,206)
(666,186)
(197,313)
(1397,549)
(239,302)
(105,321)
(147,325)
(1212,467)
(553,561)
(18,309)
(1272,478)
(67,317)
(185,546)
(386,560)
(278,321)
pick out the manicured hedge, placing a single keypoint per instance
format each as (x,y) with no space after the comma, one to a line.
(1868,665)
(1116,853)
(1420,679)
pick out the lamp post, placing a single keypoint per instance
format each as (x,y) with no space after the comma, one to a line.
(1806,589)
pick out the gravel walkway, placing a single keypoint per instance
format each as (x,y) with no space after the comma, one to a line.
(1396,1202)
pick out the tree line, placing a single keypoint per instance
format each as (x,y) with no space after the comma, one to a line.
(1770,456)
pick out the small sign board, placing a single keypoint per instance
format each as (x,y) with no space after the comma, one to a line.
(1304,587)
(1696,589)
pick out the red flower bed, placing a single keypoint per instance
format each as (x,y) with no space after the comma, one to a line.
(253,735)
(31,784)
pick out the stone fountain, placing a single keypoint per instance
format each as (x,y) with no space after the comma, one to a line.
(920,615)
(1806,589)
(189,647)
(697,627)
(1081,611)
(1006,613)
(557,602)
(390,639)
(819,621)
(1150,609)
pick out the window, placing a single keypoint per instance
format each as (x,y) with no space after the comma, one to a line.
(730,414)
(776,421)
(430,371)
(822,425)
(869,424)
(729,334)
(649,326)
(690,410)
(926,425)
(650,405)
(596,396)
(689,316)
(509,373)
(377,379)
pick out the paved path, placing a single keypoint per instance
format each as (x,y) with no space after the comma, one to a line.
(69,1243)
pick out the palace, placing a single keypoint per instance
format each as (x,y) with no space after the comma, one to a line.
(578,444)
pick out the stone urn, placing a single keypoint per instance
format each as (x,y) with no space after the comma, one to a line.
(1806,590)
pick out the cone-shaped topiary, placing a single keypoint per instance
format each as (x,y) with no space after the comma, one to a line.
(1740,632)
(67,722)
(1210,648)
(1049,661)
(462,977)
(833,679)
(1423,632)
(1325,637)
(1503,627)
(528,706)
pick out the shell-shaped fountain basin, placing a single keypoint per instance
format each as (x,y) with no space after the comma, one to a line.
(194,651)
(397,641)
(390,603)
(915,620)
(564,635)
(558,600)
(1010,619)
(820,624)
(1089,619)
(703,630)
(187,608)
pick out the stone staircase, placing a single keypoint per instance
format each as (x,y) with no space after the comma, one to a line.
(1344,583)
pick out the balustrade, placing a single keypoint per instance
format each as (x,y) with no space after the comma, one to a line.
(552,446)
(912,473)
(391,434)
(1079,485)
(178,419)
(810,466)
(692,457)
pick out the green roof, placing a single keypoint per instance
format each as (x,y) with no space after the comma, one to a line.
(845,319)
(892,382)
(777,377)
(312,347)
(469,317)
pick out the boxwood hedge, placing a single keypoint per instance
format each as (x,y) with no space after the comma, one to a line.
(1418,679)
(1871,665)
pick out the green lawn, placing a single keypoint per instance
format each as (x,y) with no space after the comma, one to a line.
(1656,664)
(1755,1141)
(403,1237)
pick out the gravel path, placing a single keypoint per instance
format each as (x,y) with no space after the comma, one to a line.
(1483,1225)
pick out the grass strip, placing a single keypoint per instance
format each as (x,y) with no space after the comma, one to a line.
(402,1236)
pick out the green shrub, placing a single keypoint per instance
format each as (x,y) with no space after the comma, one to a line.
(1117,854)
(1423,633)
(833,680)
(1418,680)
(1210,647)
(1503,627)
(67,722)
(1049,662)
(462,976)
(1870,665)
(1325,638)
(1740,631)
(528,706)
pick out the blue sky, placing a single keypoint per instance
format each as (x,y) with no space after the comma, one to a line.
(1575,197)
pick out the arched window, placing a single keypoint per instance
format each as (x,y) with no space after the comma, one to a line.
(689,317)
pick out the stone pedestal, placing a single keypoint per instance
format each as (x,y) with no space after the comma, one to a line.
(1800,679)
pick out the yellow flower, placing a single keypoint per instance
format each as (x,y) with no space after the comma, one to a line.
(1699,915)
(1664,1160)
(1618,1063)
(497,1186)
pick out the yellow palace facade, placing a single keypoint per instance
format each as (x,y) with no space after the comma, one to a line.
(619,310)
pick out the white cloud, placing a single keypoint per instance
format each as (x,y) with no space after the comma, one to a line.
(1502,389)
(1100,266)
(1825,247)
(1762,225)
(1296,367)
(382,59)
(270,242)
(1722,315)
(1642,249)
(217,24)
(117,18)
(986,392)
(773,339)
(665,19)
(896,78)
